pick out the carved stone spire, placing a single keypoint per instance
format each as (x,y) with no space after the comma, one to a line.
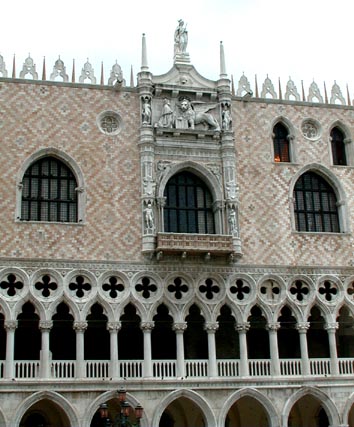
(144,62)
(223,74)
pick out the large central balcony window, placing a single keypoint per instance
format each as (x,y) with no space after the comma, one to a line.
(188,206)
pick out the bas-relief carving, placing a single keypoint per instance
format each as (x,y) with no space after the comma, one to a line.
(187,115)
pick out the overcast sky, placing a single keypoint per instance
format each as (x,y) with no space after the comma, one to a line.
(303,39)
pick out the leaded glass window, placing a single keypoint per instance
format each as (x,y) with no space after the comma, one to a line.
(188,206)
(315,205)
(49,192)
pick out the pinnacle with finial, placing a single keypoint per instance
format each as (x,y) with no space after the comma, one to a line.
(223,73)
(144,62)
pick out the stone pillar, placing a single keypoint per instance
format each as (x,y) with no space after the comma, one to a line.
(147,327)
(302,327)
(161,202)
(10,326)
(273,346)
(45,356)
(179,328)
(114,328)
(242,329)
(331,330)
(80,328)
(211,328)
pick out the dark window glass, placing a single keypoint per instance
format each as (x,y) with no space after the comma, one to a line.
(338,147)
(188,206)
(48,192)
(281,143)
(315,205)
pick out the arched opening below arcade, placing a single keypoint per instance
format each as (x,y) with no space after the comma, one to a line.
(182,412)
(113,415)
(45,413)
(247,412)
(308,412)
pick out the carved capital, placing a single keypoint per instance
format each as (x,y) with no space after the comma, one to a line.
(302,327)
(179,326)
(274,326)
(10,325)
(211,327)
(331,326)
(80,326)
(45,325)
(114,326)
(147,326)
(242,327)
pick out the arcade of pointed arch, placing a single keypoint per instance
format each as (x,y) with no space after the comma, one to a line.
(114,290)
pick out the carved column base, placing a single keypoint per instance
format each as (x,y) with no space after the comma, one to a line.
(148,243)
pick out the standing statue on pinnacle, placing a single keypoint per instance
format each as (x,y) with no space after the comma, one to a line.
(181,37)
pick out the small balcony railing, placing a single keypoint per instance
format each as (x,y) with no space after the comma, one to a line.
(167,369)
(213,244)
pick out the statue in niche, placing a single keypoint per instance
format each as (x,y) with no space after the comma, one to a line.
(181,37)
(226,116)
(186,116)
(149,218)
(233,222)
(146,110)
(166,119)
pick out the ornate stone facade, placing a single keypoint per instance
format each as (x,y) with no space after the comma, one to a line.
(252,313)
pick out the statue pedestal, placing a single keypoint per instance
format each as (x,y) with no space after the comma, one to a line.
(181,58)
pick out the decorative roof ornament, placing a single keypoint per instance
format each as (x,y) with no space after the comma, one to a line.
(291,91)
(244,86)
(268,88)
(3,70)
(181,42)
(29,67)
(336,94)
(59,69)
(116,76)
(314,93)
(87,73)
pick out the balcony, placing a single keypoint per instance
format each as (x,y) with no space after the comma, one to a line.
(194,244)
(167,369)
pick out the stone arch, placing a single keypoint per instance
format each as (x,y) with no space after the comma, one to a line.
(347,409)
(204,310)
(235,310)
(199,170)
(103,398)
(69,162)
(198,400)
(291,134)
(326,402)
(337,187)
(54,397)
(73,308)
(172,310)
(257,395)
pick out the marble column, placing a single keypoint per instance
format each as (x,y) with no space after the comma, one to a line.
(179,328)
(114,328)
(331,330)
(303,327)
(147,327)
(211,328)
(242,329)
(10,326)
(80,328)
(45,356)
(273,347)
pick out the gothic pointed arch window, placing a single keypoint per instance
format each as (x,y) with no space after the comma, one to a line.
(315,205)
(49,192)
(338,147)
(188,206)
(281,143)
